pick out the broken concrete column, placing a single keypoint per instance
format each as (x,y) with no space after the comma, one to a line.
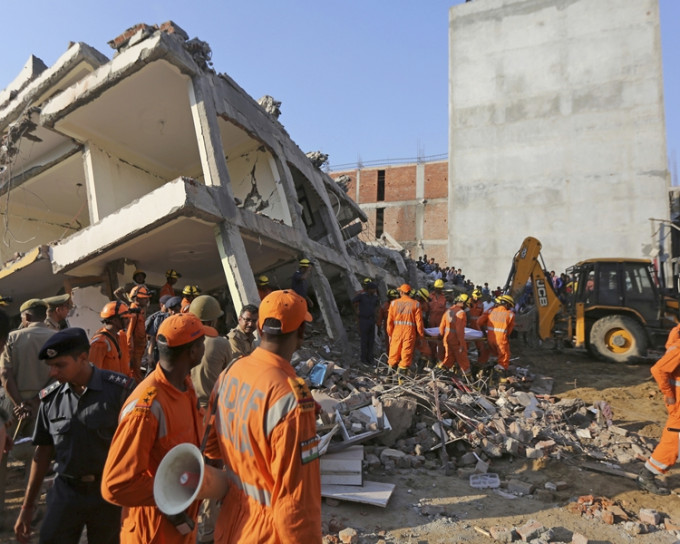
(328,307)
(236,266)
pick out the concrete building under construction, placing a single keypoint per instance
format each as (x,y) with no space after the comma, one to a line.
(556,130)
(152,160)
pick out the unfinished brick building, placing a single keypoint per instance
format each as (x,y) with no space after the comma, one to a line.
(407,203)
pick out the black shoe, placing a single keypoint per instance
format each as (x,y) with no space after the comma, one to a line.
(647,482)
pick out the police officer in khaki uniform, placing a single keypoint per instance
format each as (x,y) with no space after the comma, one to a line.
(242,337)
(76,421)
(58,309)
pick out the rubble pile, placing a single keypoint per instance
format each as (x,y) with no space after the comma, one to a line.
(612,512)
(476,422)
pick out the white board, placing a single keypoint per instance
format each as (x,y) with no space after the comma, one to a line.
(375,493)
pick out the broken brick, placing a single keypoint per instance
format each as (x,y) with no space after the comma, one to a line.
(578,538)
(502,534)
(530,530)
(650,516)
(520,488)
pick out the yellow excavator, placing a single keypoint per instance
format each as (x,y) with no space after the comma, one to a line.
(615,308)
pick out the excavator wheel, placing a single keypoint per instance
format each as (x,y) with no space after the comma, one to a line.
(618,338)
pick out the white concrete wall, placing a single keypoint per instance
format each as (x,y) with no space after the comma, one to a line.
(113,183)
(240,165)
(556,131)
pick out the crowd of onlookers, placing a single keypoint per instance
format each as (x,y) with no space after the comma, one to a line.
(453,275)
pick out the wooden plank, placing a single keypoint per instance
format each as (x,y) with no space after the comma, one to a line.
(598,467)
(374,493)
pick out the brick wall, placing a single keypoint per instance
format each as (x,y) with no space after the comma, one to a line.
(435,222)
(400,222)
(400,183)
(436,180)
(368,186)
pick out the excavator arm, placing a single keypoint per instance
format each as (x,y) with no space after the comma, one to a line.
(527,266)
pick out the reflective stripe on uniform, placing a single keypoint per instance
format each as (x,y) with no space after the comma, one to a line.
(260,495)
(280,409)
(156,410)
(495,329)
(404,323)
(675,382)
(655,467)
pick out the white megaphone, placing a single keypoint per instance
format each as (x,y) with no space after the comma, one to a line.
(183,477)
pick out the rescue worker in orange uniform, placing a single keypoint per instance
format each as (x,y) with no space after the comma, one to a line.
(437,304)
(382,317)
(265,432)
(189,293)
(452,330)
(263,287)
(425,347)
(108,346)
(159,414)
(404,327)
(136,330)
(673,336)
(499,325)
(171,277)
(475,312)
(437,309)
(666,372)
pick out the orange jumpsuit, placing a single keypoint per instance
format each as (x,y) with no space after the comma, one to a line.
(167,289)
(107,355)
(437,310)
(185,305)
(452,330)
(136,341)
(666,372)
(265,432)
(501,321)
(474,313)
(404,325)
(263,291)
(156,417)
(673,336)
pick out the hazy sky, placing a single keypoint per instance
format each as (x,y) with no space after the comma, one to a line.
(359,79)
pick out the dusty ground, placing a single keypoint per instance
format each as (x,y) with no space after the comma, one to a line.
(637,406)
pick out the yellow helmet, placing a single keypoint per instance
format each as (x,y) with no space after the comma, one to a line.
(462,298)
(423,293)
(262,280)
(172,273)
(367,281)
(191,290)
(476,294)
(393,293)
(507,299)
(439,284)
(304,263)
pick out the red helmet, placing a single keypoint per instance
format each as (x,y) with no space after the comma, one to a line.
(113,309)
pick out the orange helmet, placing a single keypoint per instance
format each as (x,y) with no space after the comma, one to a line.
(113,309)
(140,291)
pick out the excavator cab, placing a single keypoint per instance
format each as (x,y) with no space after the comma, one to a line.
(618,307)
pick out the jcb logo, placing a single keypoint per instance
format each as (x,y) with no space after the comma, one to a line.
(541,292)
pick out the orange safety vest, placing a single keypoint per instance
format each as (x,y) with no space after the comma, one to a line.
(265,431)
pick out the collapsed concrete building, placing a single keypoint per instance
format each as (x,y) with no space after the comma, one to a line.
(152,160)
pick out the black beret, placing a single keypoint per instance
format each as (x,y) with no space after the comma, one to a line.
(174,302)
(63,342)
